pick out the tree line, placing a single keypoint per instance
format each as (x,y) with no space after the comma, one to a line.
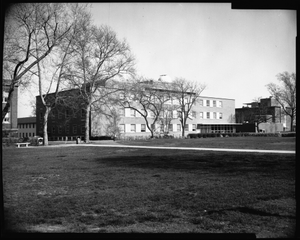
(57,47)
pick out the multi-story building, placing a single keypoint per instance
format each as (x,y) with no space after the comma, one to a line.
(64,123)
(208,115)
(27,127)
(267,112)
(9,124)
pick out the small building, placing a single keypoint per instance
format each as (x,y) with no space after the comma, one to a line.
(267,112)
(9,124)
(27,127)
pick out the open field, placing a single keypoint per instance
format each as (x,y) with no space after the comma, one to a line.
(264,143)
(95,189)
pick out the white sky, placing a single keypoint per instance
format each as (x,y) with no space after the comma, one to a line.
(235,52)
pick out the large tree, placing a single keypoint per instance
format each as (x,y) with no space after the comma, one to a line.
(285,94)
(23,23)
(146,97)
(98,57)
(186,93)
(51,70)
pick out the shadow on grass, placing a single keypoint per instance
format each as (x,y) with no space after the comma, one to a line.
(227,163)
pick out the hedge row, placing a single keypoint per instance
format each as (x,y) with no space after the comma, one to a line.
(101,138)
(245,134)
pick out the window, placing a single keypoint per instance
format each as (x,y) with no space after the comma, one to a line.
(29,134)
(193,114)
(220,115)
(4,97)
(208,115)
(161,127)
(26,134)
(67,129)
(186,127)
(132,127)
(143,127)
(215,115)
(68,114)
(53,129)
(74,129)
(170,127)
(193,127)
(207,103)
(201,102)
(82,113)
(178,127)
(122,112)
(41,115)
(220,104)
(132,112)
(83,129)
(122,128)
(26,125)
(201,114)
(59,130)
(33,125)
(214,103)
(59,115)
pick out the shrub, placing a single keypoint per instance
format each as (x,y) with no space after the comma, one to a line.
(288,134)
(192,135)
(101,138)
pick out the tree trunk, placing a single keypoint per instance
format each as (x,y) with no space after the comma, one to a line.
(292,119)
(87,124)
(45,129)
(257,126)
(182,130)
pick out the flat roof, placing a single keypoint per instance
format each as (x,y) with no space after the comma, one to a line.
(219,123)
(27,120)
(217,97)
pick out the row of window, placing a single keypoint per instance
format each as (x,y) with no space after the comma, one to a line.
(67,129)
(26,125)
(211,103)
(66,114)
(22,135)
(208,103)
(133,128)
(175,114)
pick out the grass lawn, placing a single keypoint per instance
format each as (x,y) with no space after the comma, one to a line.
(265,143)
(93,189)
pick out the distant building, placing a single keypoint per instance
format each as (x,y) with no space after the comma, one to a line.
(27,127)
(209,115)
(64,123)
(9,124)
(268,111)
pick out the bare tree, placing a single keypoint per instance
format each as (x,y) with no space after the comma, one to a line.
(186,93)
(167,116)
(98,57)
(285,94)
(54,67)
(23,22)
(146,97)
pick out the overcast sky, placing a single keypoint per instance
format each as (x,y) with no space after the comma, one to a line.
(235,52)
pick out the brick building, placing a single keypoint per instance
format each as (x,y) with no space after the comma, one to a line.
(209,115)
(64,122)
(27,127)
(267,111)
(9,124)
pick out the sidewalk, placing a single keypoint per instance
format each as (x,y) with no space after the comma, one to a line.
(174,148)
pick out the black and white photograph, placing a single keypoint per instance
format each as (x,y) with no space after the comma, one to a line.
(149,118)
